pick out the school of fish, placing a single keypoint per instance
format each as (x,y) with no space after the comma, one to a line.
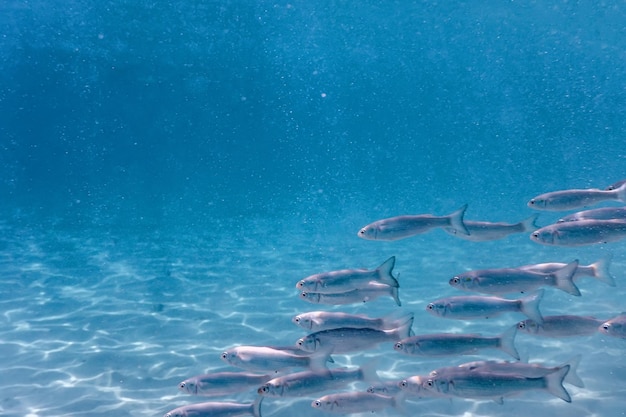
(304,368)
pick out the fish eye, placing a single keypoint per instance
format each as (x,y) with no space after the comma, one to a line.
(455,280)
(297,319)
(300,342)
(225,355)
(398,346)
(181,385)
(521,325)
(532,202)
(430,383)
(317,403)
(606,326)
(430,306)
(535,234)
(403,384)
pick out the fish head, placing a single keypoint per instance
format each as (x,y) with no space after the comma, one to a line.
(528,326)
(306,285)
(176,413)
(408,347)
(269,389)
(368,232)
(189,386)
(311,297)
(537,202)
(545,236)
(437,308)
(309,343)
(464,282)
(412,384)
(436,385)
(324,404)
(230,357)
(303,321)
(611,328)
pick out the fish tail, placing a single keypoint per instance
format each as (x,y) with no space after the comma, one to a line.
(456,220)
(564,278)
(256,406)
(621,193)
(554,383)
(404,330)
(399,403)
(317,361)
(506,342)
(572,377)
(368,372)
(530,306)
(601,270)
(396,295)
(529,224)
(384,272)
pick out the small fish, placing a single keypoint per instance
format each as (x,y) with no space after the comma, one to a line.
(389,388)
(221,383)
(361,295)
(598,270)
(477,384)
(485,231)
(357,402)
(579,233)
(446,344)
(217,409)
(468,307)
(615,327)
(401,227)
(561,326)
(573,199)
(509,280)
(605,213)
(347,339)
(262,358)
(349,279)
(324,320)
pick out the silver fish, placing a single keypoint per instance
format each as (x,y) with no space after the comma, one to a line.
(347,339)
(598,270)
(501,281)
(389,388)
(573,199)
(221,383)
(401,227)
(615,327)
(468,307)
(324,320)
(262,358)
(561,326)
(349,279)
(217,409)
(361,295)
(356,402)
(605,213)
(579,233)
(446,344)
(484,231)
(477,384)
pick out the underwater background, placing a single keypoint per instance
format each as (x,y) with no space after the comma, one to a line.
(170,170)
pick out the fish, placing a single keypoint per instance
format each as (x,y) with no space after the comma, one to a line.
(221,383)
(347,339)
(598,270)
(414,386)
(361,295)
(616,185)
(263,358)
(446,344)
(309,382)
(390,388)
(478,384)
(349,279)
(357,402)
(485,231)
(501,281)
(580,233)
(561,326)
(576,198)
(615,327)
(468,307)
(324,320)
(217,409)
(401,227)
(604,213)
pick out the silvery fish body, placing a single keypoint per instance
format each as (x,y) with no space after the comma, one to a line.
(509,280)
(349,279)
(324,320)
(221,383)
(401,227)
(615,327)
(217,409)
(485,231)
(579,233)
(599,270)
(261,358)
(355,402)
(373,291)
(605,213)
(561,326)
(468,307)
(576,198)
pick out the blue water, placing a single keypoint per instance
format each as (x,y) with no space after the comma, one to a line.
(170,170)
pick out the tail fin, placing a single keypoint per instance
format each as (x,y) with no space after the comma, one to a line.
(554,383)
(572,377)
(384,272)
(256,406)
(530,306)
(391,321)
(368,372)
(529,224)
(621,193)
(456,220)
(601,270)
(564,278)
(403,331)
(506,342)
(395,294)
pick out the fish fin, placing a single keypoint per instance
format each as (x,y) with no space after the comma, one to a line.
(399,403)
(564,276)
(456,220)
(256,406)
(529,224)
(530,306)
(572,377)
(621,193)
(507,342)
(395,294)
(317,361)
(601,270)
(384,272)
(392,321)
(368,372)
(554,383)
(404,330)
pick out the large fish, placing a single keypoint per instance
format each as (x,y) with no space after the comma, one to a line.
(373,291)
(401,227)
(561,326)
(484,231)
(324,320)
(468,307)
(501,281)
(579,233)
(357,402)
(598,270)
(349,279)
(217,409)
(263,358)
(574,199)
(221,383)
(615,327)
